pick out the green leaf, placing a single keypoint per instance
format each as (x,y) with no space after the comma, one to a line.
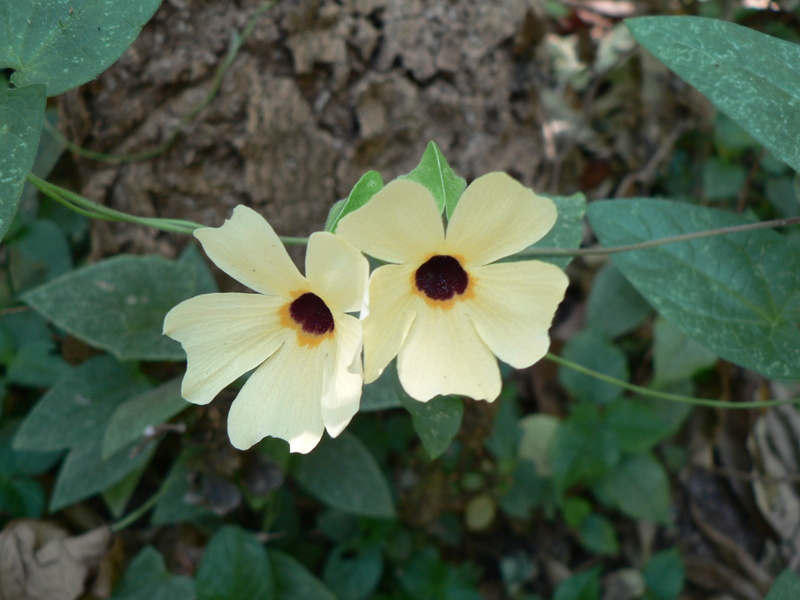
(427,576)
(614,307)
(568,230)
(119,495)
(370,184)
(638,425)
(750,76)
(134,416)
(529,490)
(583,586)
(21,118)
(294,582)
(343,474)
(39,254)
(598,536)
(665,575)
(85,473)
(147,578)
(435,174)
(78,407)
(37,364)
(786,587)
(583,450)
(383,393)
(174,495)
(538,431)
(119,304)
(638,487)
(676,356)
(737,294)
(21,497)
(65,43)
(593,351)
(436,422)
(235,566)
(353,573)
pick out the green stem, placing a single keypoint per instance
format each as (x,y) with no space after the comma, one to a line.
(538,252)
(139,512)
(664,395)
(237,41)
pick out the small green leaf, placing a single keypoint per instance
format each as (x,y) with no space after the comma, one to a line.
(21,497)
(583,450)
(638,487)
(119,495)
(294,582)
(568,230)
(598,536)
(370,184)
(786,587)
(665,575)
(383,393)
(638,424)
(435,174)
(40,253)
(353,573)
(592,350)
(65,43)
(436,422)
(747,75)
(676,356)
(614,307)
(737,294)
(119,304)
(529,490)
(174,495)
(235,566)
(582,586)
(538,431)
(343,474)
(21,118)
(134,416)
(147,578)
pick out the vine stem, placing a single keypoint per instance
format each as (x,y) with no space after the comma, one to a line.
(665,395)
(138,512)
(685,237)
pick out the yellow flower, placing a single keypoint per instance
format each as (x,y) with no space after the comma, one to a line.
(294,332)
(442,308)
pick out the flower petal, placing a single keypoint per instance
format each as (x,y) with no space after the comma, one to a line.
(282,399)
(336,271)
(400,223)
(341,400)
(224,336)
(513,307)
(391,311)
(444,355)
(248,249)
(496,217)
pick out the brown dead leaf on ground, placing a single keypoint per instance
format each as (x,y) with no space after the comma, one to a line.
(40,561)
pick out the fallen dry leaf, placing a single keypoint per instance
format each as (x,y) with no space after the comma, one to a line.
(39,561)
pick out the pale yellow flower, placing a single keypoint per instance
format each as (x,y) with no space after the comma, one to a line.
(442,308)
(294,332)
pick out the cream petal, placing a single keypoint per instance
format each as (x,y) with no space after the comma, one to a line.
(444,355)
(282,399)
(391,311)
(497,217)
(336,271)
(341,400)
(513,307)
(400,223)
(248,249)
(224,336)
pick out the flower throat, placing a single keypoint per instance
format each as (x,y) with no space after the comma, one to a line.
(441,278)
(312,314)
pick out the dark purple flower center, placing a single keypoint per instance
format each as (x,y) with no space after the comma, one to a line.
(441,278)
(312,314)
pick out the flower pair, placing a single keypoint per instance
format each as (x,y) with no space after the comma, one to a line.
(442,306)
